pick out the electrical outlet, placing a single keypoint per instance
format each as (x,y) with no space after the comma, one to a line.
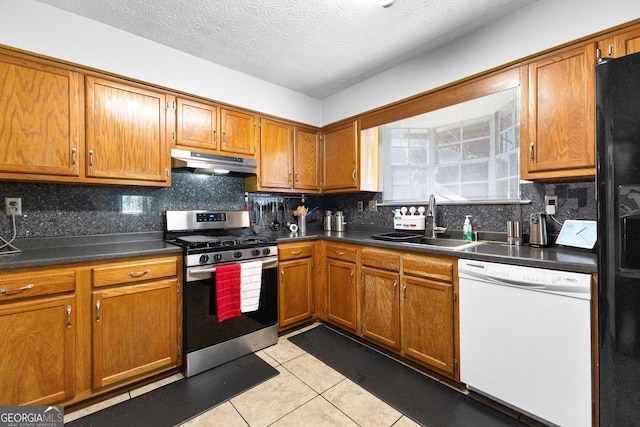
(551,205)
(360,206)
(13,206)
(373,206)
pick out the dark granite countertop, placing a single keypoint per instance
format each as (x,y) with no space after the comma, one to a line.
(37,252)
(553,257)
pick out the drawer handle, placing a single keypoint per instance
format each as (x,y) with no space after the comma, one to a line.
(404,290)
(98,311)
(69,316)
(339,253)
(296,253)
(24,288)
(138,274)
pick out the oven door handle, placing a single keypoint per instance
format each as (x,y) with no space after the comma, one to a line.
(266,263)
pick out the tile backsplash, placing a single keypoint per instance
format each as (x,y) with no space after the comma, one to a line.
(51,210)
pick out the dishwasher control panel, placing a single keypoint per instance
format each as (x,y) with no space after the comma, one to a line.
(564,282)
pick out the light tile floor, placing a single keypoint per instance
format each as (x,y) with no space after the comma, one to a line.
(307,392)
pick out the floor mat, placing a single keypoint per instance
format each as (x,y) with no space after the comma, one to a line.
(182,400)
(419,397)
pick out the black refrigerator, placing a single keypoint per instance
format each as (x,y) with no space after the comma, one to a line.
(618,196)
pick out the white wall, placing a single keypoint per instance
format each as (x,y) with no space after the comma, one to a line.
(542,25)
(39,28)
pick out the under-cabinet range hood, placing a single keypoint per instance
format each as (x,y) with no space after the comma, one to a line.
(212,164)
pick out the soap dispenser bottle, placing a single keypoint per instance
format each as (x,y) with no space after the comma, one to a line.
(467,230)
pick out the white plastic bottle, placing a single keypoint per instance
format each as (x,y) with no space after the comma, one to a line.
(467,230)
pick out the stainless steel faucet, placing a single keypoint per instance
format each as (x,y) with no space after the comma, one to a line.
(433,229)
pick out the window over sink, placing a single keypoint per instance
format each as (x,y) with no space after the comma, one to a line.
(465,152)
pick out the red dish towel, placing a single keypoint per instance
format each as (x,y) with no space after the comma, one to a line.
(228,291)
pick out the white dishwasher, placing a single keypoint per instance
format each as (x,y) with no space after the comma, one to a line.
(525,339)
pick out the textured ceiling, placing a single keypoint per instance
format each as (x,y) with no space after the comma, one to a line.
(316,47)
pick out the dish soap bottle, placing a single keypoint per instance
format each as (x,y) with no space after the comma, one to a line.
(467,230)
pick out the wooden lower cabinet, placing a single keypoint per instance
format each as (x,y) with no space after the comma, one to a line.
(71,333)
(381,306)
(38,355)
(380,302)
(134,330)
(428,323)
(295,288)
(341,286)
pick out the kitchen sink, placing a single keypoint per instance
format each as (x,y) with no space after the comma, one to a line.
(420,239)
(448,243)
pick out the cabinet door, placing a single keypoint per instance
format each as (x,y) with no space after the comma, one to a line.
(125,134)
(341,294)
(134,331)
(427,309)
(40,119)
(37,360)
(295,301)
(627,43)
(196,124)
(558,138)
(381,306)
(238,132)
(276,146)
(307,162)
(341,158)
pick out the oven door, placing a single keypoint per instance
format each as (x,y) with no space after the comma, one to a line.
(201,326)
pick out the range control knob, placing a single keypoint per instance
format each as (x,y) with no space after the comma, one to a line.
(217,257)
(266,251)
(255,252)
(204,259)
(237,254)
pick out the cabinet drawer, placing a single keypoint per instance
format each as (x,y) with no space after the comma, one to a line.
(134,271)
(295,251)
(437,268)
(36,283)
(381,259)
(341,252)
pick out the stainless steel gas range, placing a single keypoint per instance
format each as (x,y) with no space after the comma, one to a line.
(213,242)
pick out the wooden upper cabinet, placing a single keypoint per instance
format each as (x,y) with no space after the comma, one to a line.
(238,133)
(125,133)
(40,120)
(196,124)
(307,159)
(620,44)
(558,115)
(627,43)
(276,147)
(341,158)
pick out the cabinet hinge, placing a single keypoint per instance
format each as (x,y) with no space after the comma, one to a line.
(455,365)
(173,135)
(455,296)
(179,350)
(313,308)
(179,287)
(313,264)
